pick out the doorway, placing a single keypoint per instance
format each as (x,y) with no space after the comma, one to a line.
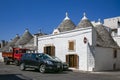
(72,60)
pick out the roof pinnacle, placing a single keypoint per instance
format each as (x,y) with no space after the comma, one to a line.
(26,30)
(66,18)
(99,21)
(84,16)
(17,35)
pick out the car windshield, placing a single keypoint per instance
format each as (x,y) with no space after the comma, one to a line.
(44,56)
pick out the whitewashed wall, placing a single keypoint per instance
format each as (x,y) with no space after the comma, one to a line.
(117,39)
(1,58)
(118,31)
(112,22)
(104,59)
(118,59)
(60,41)
(90,58)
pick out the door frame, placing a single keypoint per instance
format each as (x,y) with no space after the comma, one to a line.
(75,60)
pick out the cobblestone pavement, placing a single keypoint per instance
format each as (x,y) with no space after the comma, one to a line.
(12,72)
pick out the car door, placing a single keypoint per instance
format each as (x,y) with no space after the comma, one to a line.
(27,60)
(34,61)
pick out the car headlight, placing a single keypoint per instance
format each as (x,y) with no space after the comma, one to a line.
(49,62)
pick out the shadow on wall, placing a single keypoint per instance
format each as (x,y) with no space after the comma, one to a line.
(13,77)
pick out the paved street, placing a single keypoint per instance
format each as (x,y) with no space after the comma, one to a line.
(12,72)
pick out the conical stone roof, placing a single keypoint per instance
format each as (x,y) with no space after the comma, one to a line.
(30,45)
(104,39)
(11,43)
(25,38)
(85,22)
(66,24)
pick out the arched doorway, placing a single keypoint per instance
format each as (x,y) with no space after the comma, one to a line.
(50,50)
(72,60)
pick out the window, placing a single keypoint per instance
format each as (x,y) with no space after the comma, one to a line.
(55,32)
(17,51)
(33,56)
(22,51)
(50,50)
(27,56)
(71,45)
(114,53)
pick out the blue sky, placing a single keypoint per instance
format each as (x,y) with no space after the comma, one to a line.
(17,15)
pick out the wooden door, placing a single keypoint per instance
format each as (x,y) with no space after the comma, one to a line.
(72,60)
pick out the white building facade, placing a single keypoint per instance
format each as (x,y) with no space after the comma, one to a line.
(84,48)
(107,59)
(114,25)
(69,47)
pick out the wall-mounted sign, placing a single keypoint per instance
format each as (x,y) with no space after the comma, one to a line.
(85,40)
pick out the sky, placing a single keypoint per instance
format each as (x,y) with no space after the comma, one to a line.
(18,15)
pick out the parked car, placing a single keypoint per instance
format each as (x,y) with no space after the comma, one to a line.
(64,64)
(40,61)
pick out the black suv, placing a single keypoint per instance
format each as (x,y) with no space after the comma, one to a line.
(40,61)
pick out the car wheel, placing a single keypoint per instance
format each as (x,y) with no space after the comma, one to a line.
(22,66)
(42,68)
